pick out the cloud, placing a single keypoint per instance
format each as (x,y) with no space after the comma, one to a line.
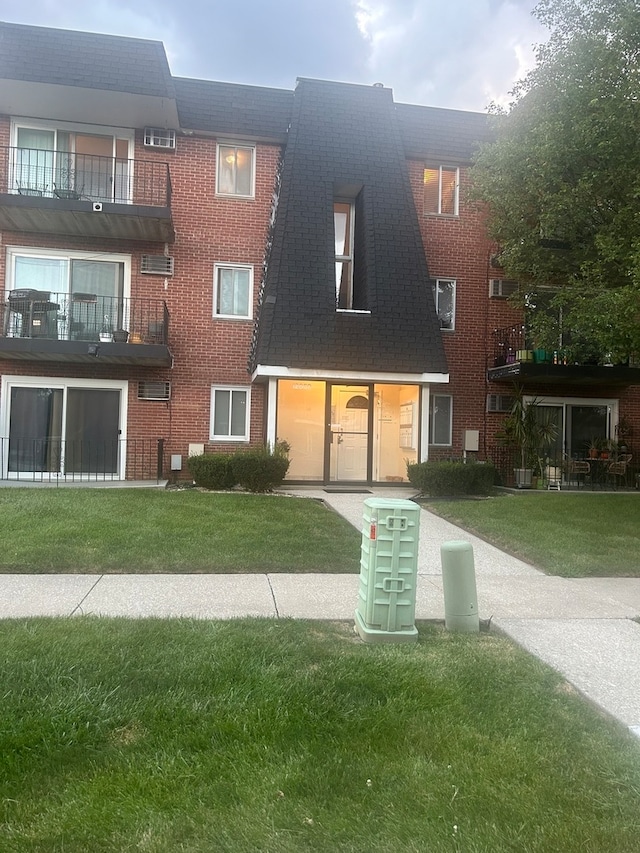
(458,54)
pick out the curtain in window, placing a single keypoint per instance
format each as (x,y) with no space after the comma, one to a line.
(33,166)
(233,292)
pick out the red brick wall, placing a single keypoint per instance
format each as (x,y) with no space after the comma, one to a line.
(206,351)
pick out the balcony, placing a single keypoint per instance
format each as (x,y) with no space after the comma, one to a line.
(515,360)
(84,328)
(83,195)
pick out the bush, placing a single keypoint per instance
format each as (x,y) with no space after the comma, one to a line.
(212,470)
(452,478)
(259,470)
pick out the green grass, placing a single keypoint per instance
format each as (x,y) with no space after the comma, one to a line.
(285,737)
(141,530)
(571,535)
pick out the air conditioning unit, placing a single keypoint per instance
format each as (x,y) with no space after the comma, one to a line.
(157,137)
(501,288)
(156,265)
(149,390)
(499,403)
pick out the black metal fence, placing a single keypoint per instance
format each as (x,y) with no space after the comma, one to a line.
(84,317)
(53,460)
(69,175)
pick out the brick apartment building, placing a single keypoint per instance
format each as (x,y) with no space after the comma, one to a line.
(197,266)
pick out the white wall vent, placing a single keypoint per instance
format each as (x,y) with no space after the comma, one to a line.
(501,288)
(157,264)
(499,403)
(157,137)
(148,390)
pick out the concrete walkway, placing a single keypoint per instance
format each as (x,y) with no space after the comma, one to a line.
(581,627)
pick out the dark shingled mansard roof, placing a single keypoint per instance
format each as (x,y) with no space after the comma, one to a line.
(344,138)
(233,109)
(89,60)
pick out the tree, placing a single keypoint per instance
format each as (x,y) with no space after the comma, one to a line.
(562,179)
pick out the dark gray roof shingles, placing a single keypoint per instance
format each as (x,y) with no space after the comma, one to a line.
(233,108)
(88,60)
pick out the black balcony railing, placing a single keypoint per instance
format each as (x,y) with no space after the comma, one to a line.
(53,460)
(84,317)
(67,175)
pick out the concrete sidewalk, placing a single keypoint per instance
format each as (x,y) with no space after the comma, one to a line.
(581,627)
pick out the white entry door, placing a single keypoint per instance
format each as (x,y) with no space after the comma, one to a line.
(349,433)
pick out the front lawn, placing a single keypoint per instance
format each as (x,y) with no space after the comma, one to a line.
(286,737)
(571,535)
(144,530)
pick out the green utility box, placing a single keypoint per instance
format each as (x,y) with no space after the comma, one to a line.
(388,570)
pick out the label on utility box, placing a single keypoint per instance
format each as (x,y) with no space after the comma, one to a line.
(373,531)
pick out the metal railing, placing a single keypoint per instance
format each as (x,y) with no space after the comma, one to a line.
(67,175)
(53,460)
(84,317)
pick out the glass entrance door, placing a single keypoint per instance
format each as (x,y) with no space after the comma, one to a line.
(349,433)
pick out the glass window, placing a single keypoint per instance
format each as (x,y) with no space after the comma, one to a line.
(233,291)
(343,216)
(235,174)
(230,414)
(444,294)
(440,412)
(441,190)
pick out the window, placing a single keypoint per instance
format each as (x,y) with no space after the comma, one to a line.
(87,290)
(343,220)
(230,414)
(444,294)
(70,164)
(233,291)
(235,173)
(441,190)
(440,412)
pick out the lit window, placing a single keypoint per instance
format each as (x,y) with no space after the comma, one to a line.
(440,412)
(230,414)
(444,294)
(233,291)
(441,191)
(235,174)
(343,216)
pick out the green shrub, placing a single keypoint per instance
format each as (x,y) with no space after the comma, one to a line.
(212,470)
(259,470)
(452,478)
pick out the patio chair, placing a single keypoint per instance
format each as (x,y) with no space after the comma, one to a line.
(579,469)
(618,470)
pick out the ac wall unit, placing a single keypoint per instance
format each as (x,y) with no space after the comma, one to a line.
(499,403)
(501,288)
(157,265)
(148,390)
(157,137)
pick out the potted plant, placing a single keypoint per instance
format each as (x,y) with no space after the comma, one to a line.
(530,434)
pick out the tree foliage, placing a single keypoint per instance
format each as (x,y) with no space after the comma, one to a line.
(562,179)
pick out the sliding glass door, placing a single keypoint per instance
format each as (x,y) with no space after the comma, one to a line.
(62,429)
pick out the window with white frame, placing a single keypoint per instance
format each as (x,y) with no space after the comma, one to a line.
(230,407)
(440,419)
(235,174)
(72,162)
(233,291)
(441,190)
(444,294)
(88,290)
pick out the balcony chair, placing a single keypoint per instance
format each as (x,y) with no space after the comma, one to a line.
(618,469)
(579,469)
(84,322)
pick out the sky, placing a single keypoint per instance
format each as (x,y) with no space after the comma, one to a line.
(461,54)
